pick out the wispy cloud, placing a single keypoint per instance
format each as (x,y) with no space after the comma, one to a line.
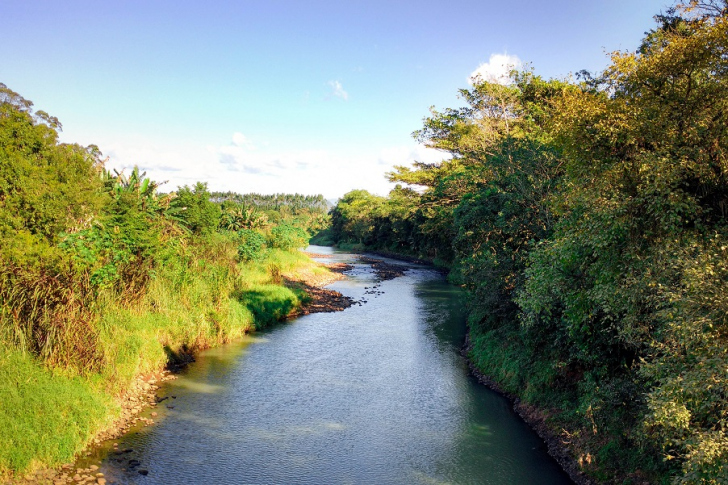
(497,69)
(337,90)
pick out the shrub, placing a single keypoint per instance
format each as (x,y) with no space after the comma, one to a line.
(252,245)
(288,237)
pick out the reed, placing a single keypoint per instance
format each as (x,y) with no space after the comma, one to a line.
(49,314)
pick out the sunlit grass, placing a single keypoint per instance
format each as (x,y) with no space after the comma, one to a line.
(46,416)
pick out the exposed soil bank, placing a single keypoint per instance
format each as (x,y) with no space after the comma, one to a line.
(323,300)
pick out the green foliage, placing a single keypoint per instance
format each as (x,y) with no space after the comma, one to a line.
(353,217)
(196,211)
(252,244)
(639,240)
(588,222)
(45,187)
(287,237)
(323,237)
(236,218)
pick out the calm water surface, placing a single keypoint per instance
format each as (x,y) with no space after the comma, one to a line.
(377,394)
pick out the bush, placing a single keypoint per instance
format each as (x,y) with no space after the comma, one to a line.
(195,210)
(288,237)
(252,245)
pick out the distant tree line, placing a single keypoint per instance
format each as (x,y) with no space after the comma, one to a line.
(294,202)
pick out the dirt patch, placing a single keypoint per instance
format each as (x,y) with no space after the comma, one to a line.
(383,270)
(322,300)
(318,255)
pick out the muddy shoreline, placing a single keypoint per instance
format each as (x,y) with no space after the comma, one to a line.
(323,300)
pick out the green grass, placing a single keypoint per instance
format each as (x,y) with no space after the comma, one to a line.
(47,416)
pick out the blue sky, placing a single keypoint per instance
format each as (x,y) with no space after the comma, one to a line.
(276,96)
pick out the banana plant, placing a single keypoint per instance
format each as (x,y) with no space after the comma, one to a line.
(118,184)
(242,217)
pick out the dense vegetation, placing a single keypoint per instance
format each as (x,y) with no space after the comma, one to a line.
(588,220)
(103,278)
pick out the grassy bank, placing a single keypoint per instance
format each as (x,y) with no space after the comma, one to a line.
(48,415)
(103,279)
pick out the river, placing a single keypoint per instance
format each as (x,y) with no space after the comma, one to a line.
(376,394)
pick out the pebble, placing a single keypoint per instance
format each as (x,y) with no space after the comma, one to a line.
(143,472)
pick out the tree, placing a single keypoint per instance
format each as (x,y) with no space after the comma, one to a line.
(624,282)
(196,211)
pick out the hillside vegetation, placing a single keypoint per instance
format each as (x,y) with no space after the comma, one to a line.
(103,278)
(588,220)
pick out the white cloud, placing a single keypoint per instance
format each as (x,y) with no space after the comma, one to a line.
(241,140)
(248,165)
(337,90)
(496,69)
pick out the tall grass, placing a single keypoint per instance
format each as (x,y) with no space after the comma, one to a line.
(48,313)
(197,297)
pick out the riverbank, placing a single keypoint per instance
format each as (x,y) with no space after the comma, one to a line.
(105,406)
(537,418)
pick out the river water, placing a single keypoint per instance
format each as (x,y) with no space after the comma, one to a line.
(376,394)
